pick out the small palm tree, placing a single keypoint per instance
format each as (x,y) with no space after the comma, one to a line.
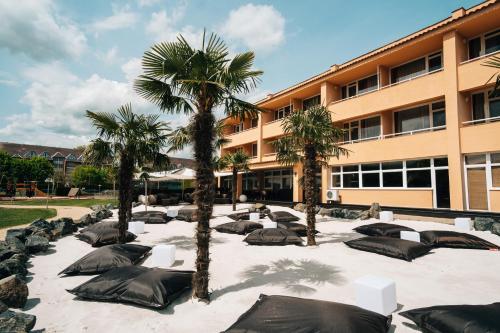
(236,161)
(309,138)
(132,140)
(180,78)
(180,138)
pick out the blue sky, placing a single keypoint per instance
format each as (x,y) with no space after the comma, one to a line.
(74,55)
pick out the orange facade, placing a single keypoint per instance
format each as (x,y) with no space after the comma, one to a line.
(419,117)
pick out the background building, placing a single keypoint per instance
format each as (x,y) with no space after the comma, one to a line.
(419,117)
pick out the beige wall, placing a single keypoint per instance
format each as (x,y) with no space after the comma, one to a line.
(495,200)
(396,198)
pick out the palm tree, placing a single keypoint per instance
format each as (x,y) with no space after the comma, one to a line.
(236,161)
(309,138)
(131,140)
(180,78)
(180,138)
(494,62)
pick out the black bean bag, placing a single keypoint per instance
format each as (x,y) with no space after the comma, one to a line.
(100,226)
(106,258)
(382,229)
(151,217)
(245,216)
(456,318)
(103,236)
(240,228)
(453,239)
(390,247)
(298,228)
(282,217)
(149,287)
(187,214)
(299,315)
(273,236)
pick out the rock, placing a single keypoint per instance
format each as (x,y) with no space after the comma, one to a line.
(96,208)
(21,257)
(35,231)
(300,207)
(352,214)
(365,215)
(317,209)
(13,292)
(15,244)
(495,228)
(109,206)
(41,224)
(483,223)
(375,210)
(325,212)
(35,244)
(16,322)
(84,220)
(64,226)
(17,233)
(6,254)
(3,307)
(12,266)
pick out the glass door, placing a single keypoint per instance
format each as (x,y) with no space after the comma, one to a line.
(442,188)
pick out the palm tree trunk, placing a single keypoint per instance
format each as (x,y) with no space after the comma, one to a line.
(309,179)
(203,135)
(235,187)
(125,178)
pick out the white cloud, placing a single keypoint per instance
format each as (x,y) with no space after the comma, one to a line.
(110,56)
(36,29)
(8,79)
(121,18)
(163,26)
(146,3)
(132,69)
(258,27)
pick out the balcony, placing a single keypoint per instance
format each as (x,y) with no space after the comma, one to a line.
(421,88)
(396,146)
(480,135)
(272,129)
(243,137)
(472,74)
(269,157)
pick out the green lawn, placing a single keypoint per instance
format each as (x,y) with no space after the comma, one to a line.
(63,202)
(10,217)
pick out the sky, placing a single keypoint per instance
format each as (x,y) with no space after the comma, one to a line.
(59,58)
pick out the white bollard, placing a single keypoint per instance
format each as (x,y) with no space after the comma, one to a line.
(377,294)
(254,216)
(172,212)
(410,235)
(136,227)
(163,255)
(386,216)
(463,223)
(270,225)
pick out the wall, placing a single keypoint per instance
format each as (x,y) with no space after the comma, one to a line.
(396,198)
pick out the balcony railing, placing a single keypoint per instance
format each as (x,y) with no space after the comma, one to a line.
(246,129)
(392,135)
(481,121)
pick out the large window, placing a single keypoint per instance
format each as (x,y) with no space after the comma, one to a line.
(282,112)
(250,181)
(417,67)
(254,150)
(484,44)
(360,87)
(485,106)
(482,174)
(362,129)
(311,102)
(396,174)
(278,179)
(420,118)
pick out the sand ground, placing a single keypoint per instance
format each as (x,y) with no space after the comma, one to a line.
(239,273)
(62,211)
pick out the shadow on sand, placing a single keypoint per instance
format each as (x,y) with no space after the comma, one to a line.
(186,243)
(333,238)
(290,274)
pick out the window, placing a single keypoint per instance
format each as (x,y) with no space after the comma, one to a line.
(438,114)
(359,87)
(283,112)
(238,128)
(254,122)
(417,67)
(490,166)
(484,44)
(412,119)
(249,181)
(254,150)
(311,102)
(370,175)
(485,105)
(278,179)
(362,129)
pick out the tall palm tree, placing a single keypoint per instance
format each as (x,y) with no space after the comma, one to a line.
(180,78)
(309,138)
(131,140)
(236,161)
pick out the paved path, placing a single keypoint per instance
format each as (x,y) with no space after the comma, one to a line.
(62,211)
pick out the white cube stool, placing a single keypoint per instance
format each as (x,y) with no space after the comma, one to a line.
(410,235)
(136,227)
(163,255)
(270,225)
(377,294)
(386,216)
(463,223)
(254,216)
(172,212)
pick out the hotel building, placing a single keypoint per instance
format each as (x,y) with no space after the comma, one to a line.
(421,122)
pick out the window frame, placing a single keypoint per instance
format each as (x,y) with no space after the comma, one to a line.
(284,113)
(482,42)
(486,107)
(256,150)
(356,84)
(426,57)
(358,121)
(310,98)
(431,118)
